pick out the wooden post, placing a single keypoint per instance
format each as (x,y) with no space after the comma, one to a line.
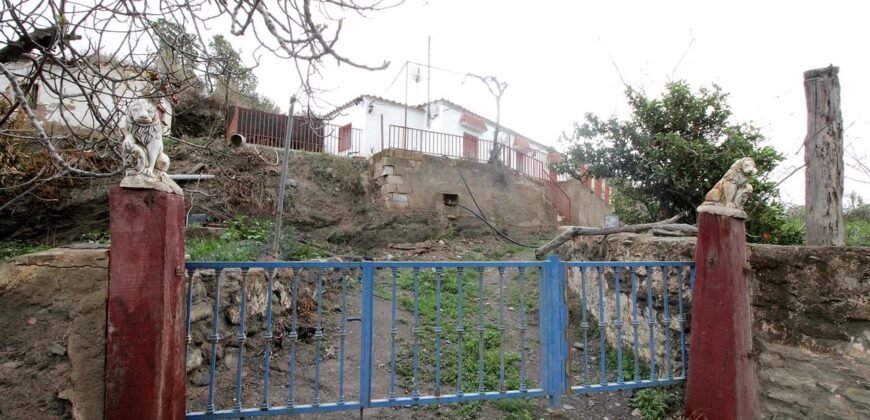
(823,156)
(721,383)
(145,372)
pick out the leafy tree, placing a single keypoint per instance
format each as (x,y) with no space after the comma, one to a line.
(231,78)
(664,158)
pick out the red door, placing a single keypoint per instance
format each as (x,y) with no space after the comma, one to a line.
(469,146)
(345,138)
(521,161)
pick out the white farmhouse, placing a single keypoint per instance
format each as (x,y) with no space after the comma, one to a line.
(85,96)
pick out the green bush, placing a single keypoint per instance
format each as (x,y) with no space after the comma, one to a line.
(858,233)
(653,403)
(222,249)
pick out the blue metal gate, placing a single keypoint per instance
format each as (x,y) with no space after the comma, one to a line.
(428,332)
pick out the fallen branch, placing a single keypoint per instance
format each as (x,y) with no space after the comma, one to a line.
(575,231)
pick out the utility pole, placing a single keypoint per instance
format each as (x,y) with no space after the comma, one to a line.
(428,81)
(279,212)
(823,155)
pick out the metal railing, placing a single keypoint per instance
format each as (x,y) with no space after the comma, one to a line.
(309,134)
(284,338)
(531,163)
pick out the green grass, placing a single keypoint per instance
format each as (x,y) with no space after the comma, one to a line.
(10,249)
(516,409)
(531,291)
(471,340)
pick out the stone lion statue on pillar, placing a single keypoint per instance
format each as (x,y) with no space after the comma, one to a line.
(729,195)
(143,150)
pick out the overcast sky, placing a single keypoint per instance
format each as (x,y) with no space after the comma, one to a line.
(561,59)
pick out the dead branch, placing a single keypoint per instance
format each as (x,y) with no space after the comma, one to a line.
(572,232)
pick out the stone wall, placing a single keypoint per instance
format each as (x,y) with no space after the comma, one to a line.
(415,181)
(52,349)
(588,209)
(422,183)
(811,320)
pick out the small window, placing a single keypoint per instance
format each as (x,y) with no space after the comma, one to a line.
(450,200)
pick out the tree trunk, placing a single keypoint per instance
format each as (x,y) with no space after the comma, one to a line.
(824,158)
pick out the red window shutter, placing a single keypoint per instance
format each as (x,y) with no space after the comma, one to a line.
(345,138)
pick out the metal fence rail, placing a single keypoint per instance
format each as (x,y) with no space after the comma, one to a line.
(309,134)
(335,336)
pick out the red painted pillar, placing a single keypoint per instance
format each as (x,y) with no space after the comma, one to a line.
(145,375)
(721,383)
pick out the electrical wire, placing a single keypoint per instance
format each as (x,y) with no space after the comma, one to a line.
(494,229)
(481,216)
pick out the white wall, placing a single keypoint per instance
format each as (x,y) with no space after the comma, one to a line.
(74,112)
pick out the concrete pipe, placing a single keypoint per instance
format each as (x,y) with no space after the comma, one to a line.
(237,140)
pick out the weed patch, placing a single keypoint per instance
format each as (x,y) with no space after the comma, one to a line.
(10,249)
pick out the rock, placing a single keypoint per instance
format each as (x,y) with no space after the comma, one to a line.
(194,359)
(635,412)
(13,364)
(567,407)
(199,377)
(578,345)
(57,349)
(292,183)
(230,359)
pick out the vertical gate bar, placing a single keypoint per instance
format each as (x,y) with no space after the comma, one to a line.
(584,325)
(666,296)
(460,330)
(240,340)
(415,331)
(294,337)
(557,348)
(571,353)
(214,339)
(365,360)
(342,336)
(617,271)
(318,337)
(523,387)
(635,323)
(682,321)
(480,330)
(267,341)
(438,273)
(602,325)
(650,321)
(501,329)
(393,333)
(189,304)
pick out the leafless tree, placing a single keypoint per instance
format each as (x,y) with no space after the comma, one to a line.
(496,88)
(97,53)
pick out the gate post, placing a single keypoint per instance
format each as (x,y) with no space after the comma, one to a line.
(554,328)
(721,382)
(145,372)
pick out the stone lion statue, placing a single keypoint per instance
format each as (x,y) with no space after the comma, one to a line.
(733,189)
(143,149)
